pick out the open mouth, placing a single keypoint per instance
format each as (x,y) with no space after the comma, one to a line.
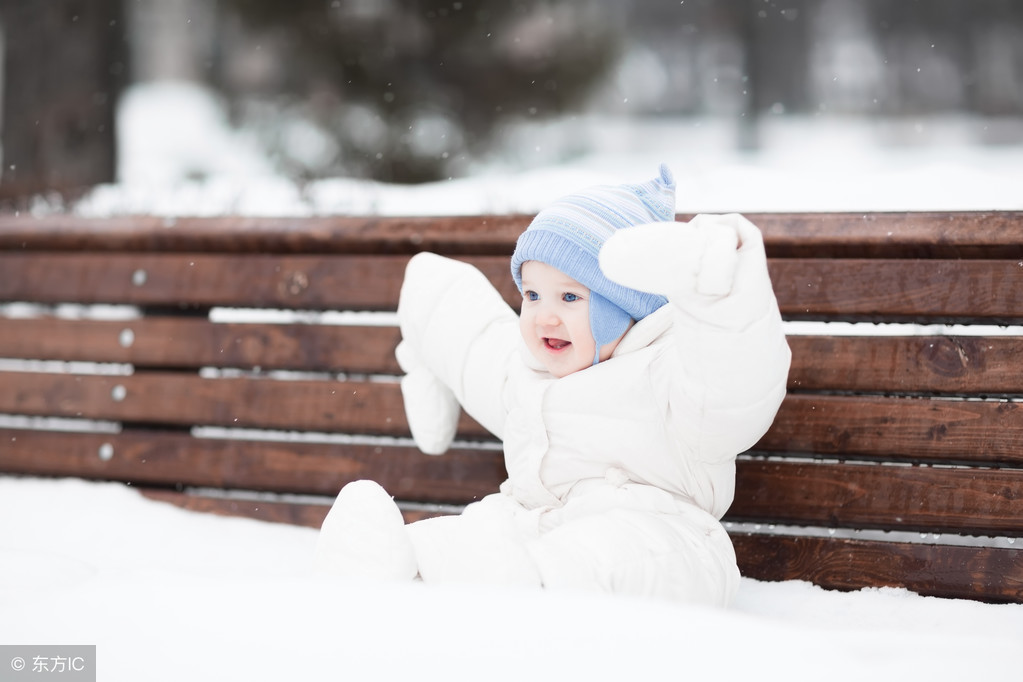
(556,344)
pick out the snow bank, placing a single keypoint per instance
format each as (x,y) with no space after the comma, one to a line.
(167,594)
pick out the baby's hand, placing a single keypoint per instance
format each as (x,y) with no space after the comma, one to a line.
(431,408)
(677,260)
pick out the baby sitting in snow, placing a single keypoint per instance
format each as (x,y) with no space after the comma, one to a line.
(647,355)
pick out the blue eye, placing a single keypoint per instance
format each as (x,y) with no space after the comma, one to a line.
(570,297)
(532,296)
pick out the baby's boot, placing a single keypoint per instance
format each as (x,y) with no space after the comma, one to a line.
(364,536)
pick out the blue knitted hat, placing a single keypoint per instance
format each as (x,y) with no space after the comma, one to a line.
(569,233)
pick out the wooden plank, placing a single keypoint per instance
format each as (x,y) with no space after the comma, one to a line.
(194,342)
(168,459)
(959,572)
(960,365)
(908,429)
(925,499)
(806,288)
(341,282)
(472,235)
(362,407)
(989,290)
(963,234)
(308,514)
(201,280)
(956,234)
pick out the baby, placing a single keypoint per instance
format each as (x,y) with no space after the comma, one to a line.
(647,355)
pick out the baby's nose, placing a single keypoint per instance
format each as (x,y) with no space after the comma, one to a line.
(547,317)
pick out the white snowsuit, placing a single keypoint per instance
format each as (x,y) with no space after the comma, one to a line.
(617,474)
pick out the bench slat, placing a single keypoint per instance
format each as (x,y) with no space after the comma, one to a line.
(174,459)
(962,234)
(450,235)
(987,573)
(978,501)
(806,288)
(361,407)
(203,280)
(339,282)
(926,499)
(925,364)
(193,342)
(960,365)
(949,431)
(880,289)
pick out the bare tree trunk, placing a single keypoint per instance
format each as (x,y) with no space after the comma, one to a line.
(64,66)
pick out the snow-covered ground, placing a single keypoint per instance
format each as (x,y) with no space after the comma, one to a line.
(167,594)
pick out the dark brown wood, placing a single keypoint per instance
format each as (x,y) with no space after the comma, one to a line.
(985,573)
(960,365)
(367,407)
(166,459)
(908,429)
(309,514)
(968,234)
(182,280)
(340,282)
(493,235)
(194,342)
(908,290)
(830,289)
(961,234)
(925,499)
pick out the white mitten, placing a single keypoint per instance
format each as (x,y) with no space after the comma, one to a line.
(675,260)
(431,408)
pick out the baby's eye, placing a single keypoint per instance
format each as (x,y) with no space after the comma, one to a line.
(532,296)
(570,297)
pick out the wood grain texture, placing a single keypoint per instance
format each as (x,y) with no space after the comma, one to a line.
(188,342)
(925,499)
(964,234)
(962,572)
(919,290)
(303,282)
(936,290)
(172,399)
(957,365)
(168,459)
(944,431)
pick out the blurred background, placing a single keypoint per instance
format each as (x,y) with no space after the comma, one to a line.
(412,91)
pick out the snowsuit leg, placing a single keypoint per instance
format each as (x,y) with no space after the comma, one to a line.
(639,553)
(484,544)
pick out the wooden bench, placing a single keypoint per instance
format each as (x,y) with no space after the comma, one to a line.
(221,373)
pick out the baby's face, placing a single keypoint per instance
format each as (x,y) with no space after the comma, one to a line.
(555,320)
